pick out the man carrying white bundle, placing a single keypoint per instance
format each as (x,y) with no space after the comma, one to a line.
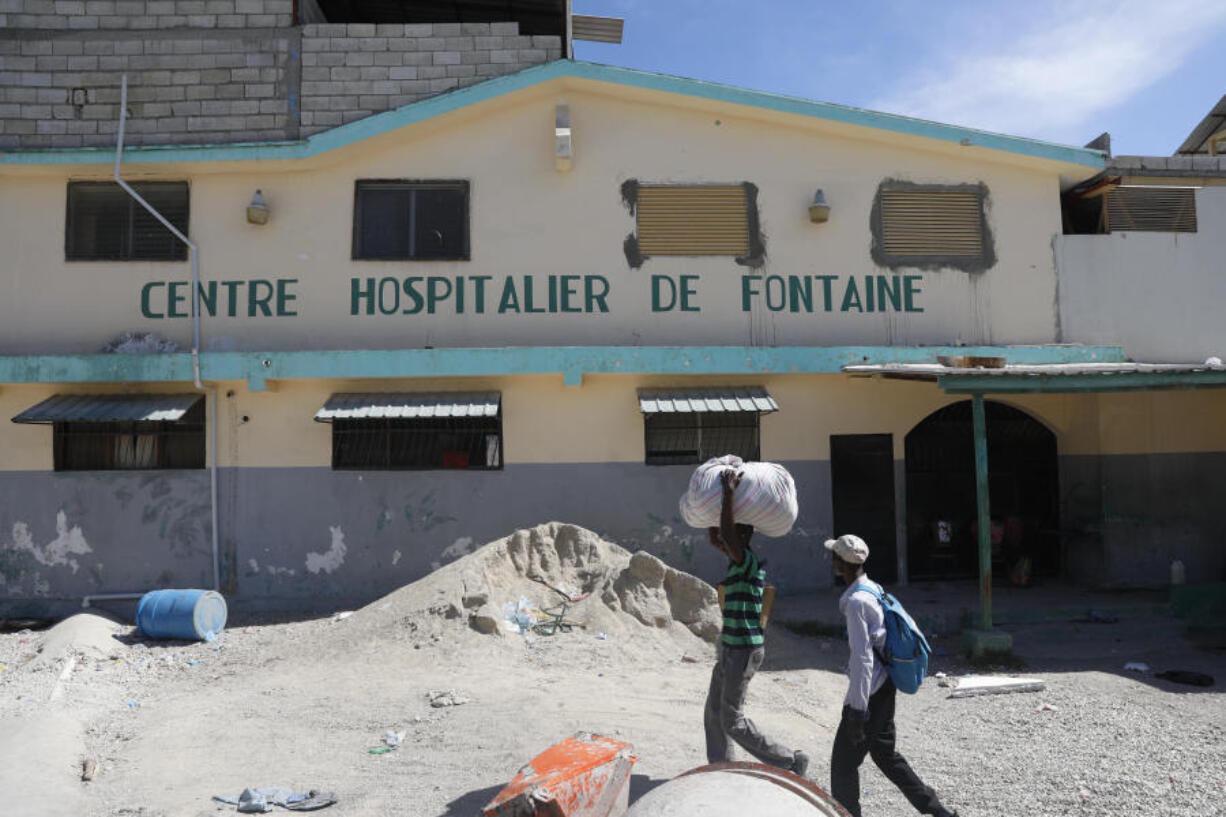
(741,647)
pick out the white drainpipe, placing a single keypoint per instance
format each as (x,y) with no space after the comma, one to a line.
(194,254)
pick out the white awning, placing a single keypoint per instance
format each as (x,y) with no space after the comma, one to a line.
(409,405)
(717,399)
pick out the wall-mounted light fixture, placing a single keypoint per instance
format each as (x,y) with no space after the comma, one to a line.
(563,151)
(257,211)
(819,210)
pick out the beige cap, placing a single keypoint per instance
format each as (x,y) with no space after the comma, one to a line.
(849,548)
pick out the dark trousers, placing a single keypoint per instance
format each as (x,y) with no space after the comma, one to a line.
(846,757)
(723,717)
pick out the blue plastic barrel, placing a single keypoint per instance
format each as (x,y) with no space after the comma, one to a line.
(185,614)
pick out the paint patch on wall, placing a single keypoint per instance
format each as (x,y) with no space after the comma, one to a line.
(68,542)
(333,558)
(395,558)
(460,547)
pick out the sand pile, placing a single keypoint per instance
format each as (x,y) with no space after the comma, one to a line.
(604,589)
(86,634)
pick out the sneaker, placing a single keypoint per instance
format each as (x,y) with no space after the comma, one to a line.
(800,763)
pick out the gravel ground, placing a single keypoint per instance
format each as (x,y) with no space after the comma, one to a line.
(300,703)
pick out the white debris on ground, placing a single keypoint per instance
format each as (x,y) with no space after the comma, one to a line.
(301,704)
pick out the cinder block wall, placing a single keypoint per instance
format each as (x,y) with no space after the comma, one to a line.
(225,70)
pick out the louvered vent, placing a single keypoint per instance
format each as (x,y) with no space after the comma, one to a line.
(918,223)
(693,220)
(1152,209)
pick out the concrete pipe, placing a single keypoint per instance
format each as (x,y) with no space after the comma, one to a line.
(734,790)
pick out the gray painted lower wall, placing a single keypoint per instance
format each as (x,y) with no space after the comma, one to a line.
(317,539)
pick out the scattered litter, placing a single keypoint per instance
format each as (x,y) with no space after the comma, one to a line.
(133,704)
(192,662)
(393,739)
(261,800)
(944,680)
(565,591)
(1099,617)
(689,659)
(971,685)
(601,636)
(379,750)
(1085,792)
(441,698)
(520,617)
(1137,666)
(341,616)
(89,769)
(1046,708)
(1183,676)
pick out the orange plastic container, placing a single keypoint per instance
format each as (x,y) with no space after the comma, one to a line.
(585,775)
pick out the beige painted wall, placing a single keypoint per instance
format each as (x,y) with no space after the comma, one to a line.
(529,219)
(545,421)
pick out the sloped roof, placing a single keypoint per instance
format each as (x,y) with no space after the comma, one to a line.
(432,107)
(1214,122)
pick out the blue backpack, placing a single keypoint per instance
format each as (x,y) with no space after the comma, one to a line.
(905,653)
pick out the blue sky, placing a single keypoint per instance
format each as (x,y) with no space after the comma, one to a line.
(1147,71)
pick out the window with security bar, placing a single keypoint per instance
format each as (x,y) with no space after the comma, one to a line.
(391,444)
(410,221)
(104,223)
(699,219)
(689,438)
(931,226)
(131,446)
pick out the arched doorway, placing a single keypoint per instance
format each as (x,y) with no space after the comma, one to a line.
(942,541)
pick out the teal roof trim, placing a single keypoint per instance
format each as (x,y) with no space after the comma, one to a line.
(1082,383)
(499,86)
(572,362)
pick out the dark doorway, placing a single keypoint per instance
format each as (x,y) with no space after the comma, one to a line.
(862,490)
(942,534)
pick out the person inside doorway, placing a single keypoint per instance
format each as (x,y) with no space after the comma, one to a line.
(742,647)
(867,724)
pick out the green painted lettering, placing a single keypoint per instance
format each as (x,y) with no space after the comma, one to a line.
(175,299)
(747,290)
(687,292)
(389,296)
(145,292)
(459,295)
(826,280)
(479,283)
(510,300)
(208,297)
(416,299)
(553,294)
(570,286)
(596,289)
(910,290)
(232,297)
(868,294)
(800,293)
(357,294)
(528,280)
(776,286)
(284,296)
(658,283)
(851,297)
(259,293)
(886,293)
(438,289)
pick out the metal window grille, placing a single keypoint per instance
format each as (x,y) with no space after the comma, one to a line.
(919,223)
(410,221)
(689,438)
(469,443)
(706,219)
(128,446)
(104,223)
(1151,209)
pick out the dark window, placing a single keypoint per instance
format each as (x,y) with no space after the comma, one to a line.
(131,446)
(410,221)
(106,224)
(688,438)
(472,443)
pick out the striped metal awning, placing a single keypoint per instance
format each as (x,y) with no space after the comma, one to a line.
(409,405)
(110,408)
(721,398)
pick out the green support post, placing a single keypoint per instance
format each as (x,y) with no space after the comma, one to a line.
(985,516)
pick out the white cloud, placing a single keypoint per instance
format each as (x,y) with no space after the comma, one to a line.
(1071,62)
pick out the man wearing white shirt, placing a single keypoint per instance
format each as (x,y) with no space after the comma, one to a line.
(867,725)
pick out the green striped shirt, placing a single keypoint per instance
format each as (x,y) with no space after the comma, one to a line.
(743,602)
